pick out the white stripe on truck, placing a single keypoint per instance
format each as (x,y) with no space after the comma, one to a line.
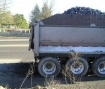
(60,49)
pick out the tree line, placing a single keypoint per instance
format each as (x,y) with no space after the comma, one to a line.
(18,20)
(38,13)
(7,19)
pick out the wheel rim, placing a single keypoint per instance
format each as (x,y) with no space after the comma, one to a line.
(77,67)
(101,67)
(49,68)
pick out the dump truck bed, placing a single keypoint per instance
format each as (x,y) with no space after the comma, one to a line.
(63,38)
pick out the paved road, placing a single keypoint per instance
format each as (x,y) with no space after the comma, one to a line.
(16,50)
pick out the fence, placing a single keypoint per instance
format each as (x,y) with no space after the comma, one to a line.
(14,34)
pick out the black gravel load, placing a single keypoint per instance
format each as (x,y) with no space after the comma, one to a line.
(83,10)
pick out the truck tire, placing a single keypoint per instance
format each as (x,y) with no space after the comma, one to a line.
(49,66)
(78,67)
(98,67)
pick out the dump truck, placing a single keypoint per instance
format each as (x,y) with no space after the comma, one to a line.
(52,46)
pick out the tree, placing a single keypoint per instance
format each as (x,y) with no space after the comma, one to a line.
(46,11)
(7,18)
(4,5)
(83,10)
(5,15)
(35,14)
(20,21)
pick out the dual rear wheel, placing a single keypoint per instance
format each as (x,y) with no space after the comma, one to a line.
(50,66)
(77,66)
(98,67)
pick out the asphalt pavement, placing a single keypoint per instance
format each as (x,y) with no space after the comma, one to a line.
(12,50)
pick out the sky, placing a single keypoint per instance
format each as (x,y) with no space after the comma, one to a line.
(26,6)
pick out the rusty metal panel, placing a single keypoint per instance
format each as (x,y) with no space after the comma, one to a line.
(72,36)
